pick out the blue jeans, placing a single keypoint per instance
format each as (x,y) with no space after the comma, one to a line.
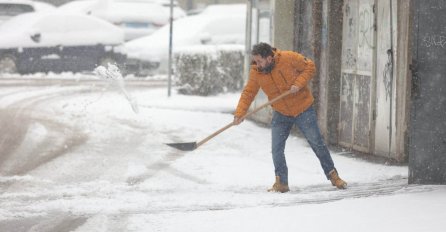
(307,123)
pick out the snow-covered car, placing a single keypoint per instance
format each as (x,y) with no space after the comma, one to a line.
(217,24)
(11,8)
(137,18)
(44,42)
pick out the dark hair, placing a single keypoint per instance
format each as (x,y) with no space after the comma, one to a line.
(262,49)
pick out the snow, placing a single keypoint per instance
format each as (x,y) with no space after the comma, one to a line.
(375,214)
(136,18)
(121,176)
(56,29)
(219,28)
(113,73)
(225,9)
(118,11)
(92,157)
(43,6)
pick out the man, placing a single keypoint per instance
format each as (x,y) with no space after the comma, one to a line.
(276,72)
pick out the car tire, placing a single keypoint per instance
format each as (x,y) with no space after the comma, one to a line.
(8,64)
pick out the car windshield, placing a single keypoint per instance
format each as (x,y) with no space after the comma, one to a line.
(14,9)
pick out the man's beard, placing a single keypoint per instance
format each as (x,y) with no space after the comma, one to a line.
(268,68)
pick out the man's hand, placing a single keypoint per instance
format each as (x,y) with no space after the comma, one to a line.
(294,89)
(237,120)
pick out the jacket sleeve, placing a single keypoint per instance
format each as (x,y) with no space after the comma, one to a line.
(247,96)
(305,67)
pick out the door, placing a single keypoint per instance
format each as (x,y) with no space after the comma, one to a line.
(358,46)
(427,138)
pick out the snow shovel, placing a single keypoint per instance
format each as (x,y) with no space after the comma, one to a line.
(194,145)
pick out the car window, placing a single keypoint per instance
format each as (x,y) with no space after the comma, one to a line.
(14,9)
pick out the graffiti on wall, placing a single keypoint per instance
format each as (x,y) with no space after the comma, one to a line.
(438,41)
(351,20)
(366,25)
(358,44)
(346,110)
(362,112)
(350,57)
(387,74)
(365,36)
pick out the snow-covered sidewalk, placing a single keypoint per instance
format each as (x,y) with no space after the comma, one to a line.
(124,178)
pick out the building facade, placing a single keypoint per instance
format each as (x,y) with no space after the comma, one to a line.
(380,88)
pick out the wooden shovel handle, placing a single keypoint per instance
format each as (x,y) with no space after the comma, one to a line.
(243,117)
(214,134)
(284,94)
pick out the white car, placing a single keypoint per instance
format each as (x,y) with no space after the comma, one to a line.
(136,17)
(44,42)
(219,24)
(11,8)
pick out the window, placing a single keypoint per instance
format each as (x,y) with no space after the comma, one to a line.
(14,9)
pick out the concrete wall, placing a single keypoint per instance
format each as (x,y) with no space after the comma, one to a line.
(283,20)
(283,24)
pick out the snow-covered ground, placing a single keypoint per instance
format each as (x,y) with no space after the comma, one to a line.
(76,157)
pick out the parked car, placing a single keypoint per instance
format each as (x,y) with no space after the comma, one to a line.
(11,8)
(43,42)
(149,55)
(136,17)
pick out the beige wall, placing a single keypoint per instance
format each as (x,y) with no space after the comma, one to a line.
(283,24)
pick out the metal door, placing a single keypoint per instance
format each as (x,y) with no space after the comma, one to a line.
(427,138)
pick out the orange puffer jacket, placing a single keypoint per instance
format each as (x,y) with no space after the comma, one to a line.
(290,68)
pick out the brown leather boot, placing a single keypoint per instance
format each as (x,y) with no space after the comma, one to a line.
(336,180)
(279,187)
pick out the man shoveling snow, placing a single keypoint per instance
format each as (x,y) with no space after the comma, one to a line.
(276,72)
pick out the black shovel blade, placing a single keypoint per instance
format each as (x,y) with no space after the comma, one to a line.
(183,146)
